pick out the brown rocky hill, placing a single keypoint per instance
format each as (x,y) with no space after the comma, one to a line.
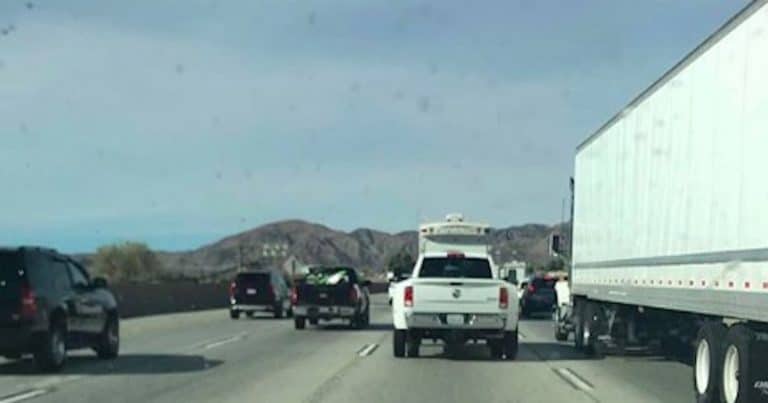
(274,243)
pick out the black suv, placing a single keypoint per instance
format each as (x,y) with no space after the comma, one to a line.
(260,291)
(49,304)
(538,295)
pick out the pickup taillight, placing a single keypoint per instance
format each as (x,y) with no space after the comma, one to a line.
(232,289)
(354,295)
(295,296)
(408,296)
(503,298)
(28,303)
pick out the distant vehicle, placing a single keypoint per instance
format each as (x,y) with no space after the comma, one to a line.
(49,304)
(455,294)
(669,245)
(260,291)
(332,293)
(538,295)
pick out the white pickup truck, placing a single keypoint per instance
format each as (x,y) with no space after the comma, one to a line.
(455,294)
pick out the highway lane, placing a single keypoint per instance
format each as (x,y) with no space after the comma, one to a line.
(205,356)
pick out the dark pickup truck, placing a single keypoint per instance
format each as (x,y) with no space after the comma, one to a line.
(329,293)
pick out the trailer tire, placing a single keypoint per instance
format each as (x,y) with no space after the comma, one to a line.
(592,322)
(578,324)
(735,380)
(706,364)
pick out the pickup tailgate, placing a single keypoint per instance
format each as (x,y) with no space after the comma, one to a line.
(324,295)
(436,295)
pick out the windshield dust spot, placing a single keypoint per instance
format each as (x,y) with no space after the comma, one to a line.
(312,18)
(424,104)
(30,5)
(179,68)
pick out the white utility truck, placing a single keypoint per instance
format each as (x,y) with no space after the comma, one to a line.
(455,294)
(670,212)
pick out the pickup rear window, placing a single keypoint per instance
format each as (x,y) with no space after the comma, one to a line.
(455,268)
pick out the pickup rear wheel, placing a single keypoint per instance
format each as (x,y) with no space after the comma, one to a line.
(234,314)
(510,345)
(398,343)
(413,344)
(497,349)
(278,310)
(299,322)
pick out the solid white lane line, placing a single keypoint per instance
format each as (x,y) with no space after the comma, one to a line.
(368,350)
(18,397)
(222,342)
(573,379)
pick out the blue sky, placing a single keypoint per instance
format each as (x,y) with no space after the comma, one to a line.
(177,122)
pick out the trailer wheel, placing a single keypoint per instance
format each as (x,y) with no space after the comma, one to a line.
(591,325)
(578,324)
(706,365)
(735,386)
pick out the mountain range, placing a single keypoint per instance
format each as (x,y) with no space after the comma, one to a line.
(280,243)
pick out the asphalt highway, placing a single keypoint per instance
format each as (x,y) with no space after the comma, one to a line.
(207,357)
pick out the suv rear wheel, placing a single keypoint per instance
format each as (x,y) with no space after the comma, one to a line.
(51,353)
(234,314)
(299,322)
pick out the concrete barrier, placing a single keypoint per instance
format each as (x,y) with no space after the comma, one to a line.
(153,299)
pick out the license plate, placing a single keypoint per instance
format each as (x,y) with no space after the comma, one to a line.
(250,291)
(454,319)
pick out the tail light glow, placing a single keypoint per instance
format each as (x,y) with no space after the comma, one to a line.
(531,288)
(354,295)
(408,296)
(28,303)
(503,298)
(294,296)
(232,289)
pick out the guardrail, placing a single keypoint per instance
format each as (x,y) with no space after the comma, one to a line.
(153,299)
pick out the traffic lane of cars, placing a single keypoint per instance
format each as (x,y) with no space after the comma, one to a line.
(205,357)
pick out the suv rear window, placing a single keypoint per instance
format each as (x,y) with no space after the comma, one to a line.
(11,272)
(544,283)
(253,278)
(455,268)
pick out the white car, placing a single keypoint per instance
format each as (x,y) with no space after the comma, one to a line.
(455,294)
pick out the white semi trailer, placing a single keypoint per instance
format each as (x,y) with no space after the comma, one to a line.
(670,217)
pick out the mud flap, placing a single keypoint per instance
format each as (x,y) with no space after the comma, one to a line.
(758,368)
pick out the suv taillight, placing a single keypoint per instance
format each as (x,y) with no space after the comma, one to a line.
(295,296)
(354,295)
(408,296)
(503,298)
(28,303)
(531,288)
(232,289)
